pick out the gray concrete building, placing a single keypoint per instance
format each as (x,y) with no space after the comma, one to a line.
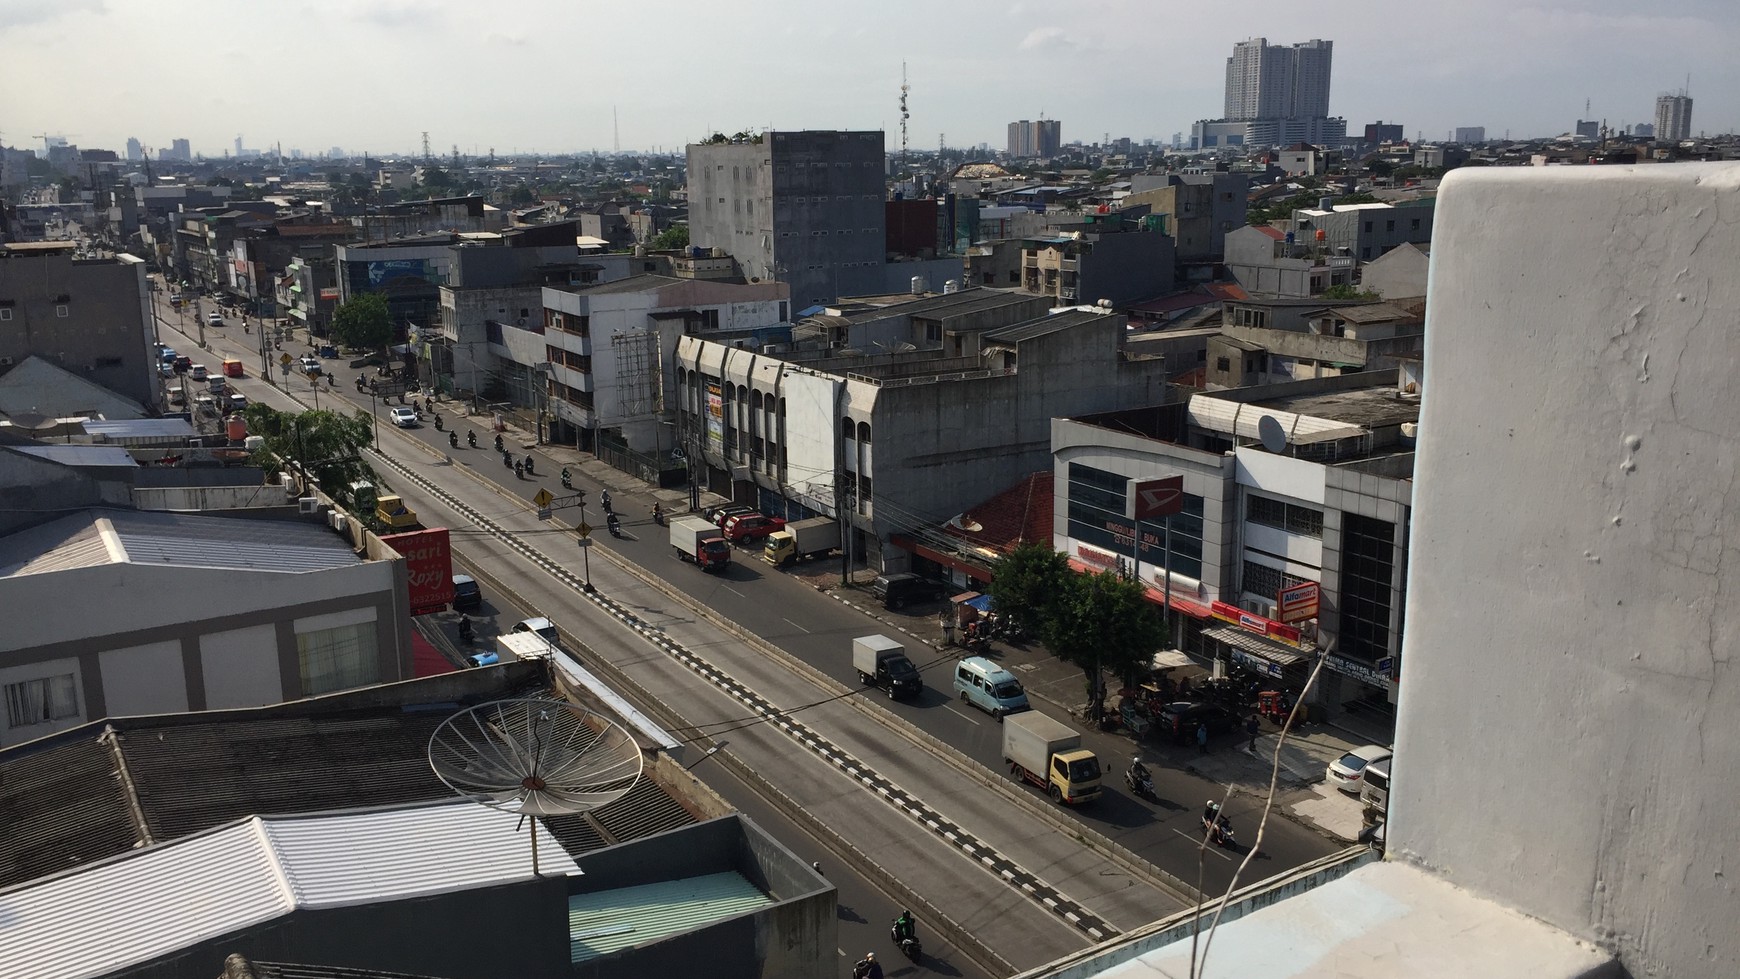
(90,317)
(1200,209)
(1673,117)
(1328,504)
(179,612)
(1366,231)
(1266,260)
(1126,263)
(804,208)
(1400,273)
(901,439)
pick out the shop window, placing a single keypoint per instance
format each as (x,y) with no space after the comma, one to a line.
(339,658)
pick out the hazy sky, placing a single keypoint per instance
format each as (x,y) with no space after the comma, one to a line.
(545,74)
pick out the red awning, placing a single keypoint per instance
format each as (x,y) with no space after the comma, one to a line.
(426,660)
(1195,610)
(948,561)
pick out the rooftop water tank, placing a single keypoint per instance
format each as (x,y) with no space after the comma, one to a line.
(918,285)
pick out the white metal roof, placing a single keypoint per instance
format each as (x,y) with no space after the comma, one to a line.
(175,540)
(1240,419)
(142,905)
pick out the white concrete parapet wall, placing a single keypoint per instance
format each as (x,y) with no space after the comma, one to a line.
(1569,711)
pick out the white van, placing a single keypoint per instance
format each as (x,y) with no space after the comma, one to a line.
(1375,786)
(989,687)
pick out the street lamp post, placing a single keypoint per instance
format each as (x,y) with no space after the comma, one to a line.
(586,549)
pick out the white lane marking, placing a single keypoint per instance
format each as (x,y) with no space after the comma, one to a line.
(733,591)
(1198,840)
(963,712)
(794,625)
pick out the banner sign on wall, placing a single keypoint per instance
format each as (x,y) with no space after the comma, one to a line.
(428,567)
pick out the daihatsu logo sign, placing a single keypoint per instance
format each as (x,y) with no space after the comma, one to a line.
(1158,497)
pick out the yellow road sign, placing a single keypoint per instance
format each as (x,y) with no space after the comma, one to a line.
(543,499)
(283,358)
(585,530)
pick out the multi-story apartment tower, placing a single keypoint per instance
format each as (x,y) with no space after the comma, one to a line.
(1673,117)
(1029,139)
(804,208)
(1292,82)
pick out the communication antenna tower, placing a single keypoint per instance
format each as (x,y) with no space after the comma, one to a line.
(615,131)
(427,157)
(535,758)
(904,115)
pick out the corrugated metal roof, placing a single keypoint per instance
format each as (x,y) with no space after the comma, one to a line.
(1236,418)
(127,428)
(608,921)
(43,388)
(96,537)
(82,455)
(1042,326)
(141,905)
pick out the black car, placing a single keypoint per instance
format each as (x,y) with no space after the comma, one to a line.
(1180,719)
(466,594)
(898,590)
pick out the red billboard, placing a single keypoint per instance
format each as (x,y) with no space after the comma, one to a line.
(1159,497)
(1298,602)
(428,567)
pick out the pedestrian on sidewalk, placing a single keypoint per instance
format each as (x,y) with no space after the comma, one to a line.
(1253,727)
(1202,739)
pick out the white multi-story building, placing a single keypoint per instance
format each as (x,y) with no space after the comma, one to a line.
(1673,117)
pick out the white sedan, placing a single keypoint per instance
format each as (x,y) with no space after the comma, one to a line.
(1347,773)
(404,417)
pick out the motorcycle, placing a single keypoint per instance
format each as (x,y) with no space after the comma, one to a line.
(507,460)
(438,422)
(604,498)
(471,439)
(614,525)
(1219,831)
(519,469)
(567,480)
(498,444)
(658,514)
(359,383)
(1141,784)
(909,946)
(466,634)
(529,470)
(453,439)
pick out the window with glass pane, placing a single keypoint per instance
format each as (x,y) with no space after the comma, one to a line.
(49,698)
(1260,579)
(339,658)
(1289,517)
(1367,572)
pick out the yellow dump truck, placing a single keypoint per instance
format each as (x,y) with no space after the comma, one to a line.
(392,512)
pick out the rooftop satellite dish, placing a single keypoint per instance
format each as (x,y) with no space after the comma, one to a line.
(535,758)
(1270,432)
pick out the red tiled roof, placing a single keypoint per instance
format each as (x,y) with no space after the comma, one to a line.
(1227,290)
(1271,231)
(1020,513)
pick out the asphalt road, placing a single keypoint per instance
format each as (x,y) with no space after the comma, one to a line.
(818,630)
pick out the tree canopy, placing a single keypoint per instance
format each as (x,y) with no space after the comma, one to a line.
(675,236)
(326,445)
(363,323)
(1104,622)
(1026,581)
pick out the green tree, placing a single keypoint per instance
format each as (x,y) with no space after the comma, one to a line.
(1104,623)
(1343,292)
(324,445)
(363,323)
(1026,581)
(437,177)
(675,236)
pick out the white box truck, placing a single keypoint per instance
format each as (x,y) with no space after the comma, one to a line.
(800,541)
(697,540)
(881,662)
(1048,753)
(511,647)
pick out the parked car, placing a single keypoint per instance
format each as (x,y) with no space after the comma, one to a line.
(1347,773)
(710,513)
(466,594)
(198,372)
(404,416)
(542,626)
(166,369)
(726,512)
(750,528)
(899,590)
(1180,719)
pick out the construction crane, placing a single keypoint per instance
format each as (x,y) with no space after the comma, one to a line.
(45,137)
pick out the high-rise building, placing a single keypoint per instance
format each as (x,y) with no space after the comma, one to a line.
(180,149)
(1588,129)
(1644,129)
(1470,134)
(1673,117)
(1384,132)
(1028,139)
(1292,82)
(804,208)
(135,150)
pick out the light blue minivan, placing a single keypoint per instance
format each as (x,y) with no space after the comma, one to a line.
(989,687)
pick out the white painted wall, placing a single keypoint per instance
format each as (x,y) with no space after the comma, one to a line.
(146,679)
(1280,475)
(1569,699)
(241,667)
(811,433)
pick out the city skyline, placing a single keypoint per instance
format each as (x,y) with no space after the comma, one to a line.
(380,76)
